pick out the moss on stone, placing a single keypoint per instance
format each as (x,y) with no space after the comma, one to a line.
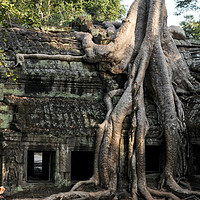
(5,120)
(13,91)
(4,108)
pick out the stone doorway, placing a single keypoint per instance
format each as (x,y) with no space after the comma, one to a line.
(82,165)
(41,165)
(153,159)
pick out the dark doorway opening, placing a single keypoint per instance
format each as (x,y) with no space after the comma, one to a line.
(196,159)
(153,159)
(82,165)
(41,165)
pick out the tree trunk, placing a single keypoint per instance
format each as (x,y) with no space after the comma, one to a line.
(144,49)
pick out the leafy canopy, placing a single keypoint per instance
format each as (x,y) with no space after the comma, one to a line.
(58,12)
(189,25)
(186,5)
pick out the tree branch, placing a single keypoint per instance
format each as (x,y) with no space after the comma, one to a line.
(21,57)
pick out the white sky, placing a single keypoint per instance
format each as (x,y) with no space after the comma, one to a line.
(172,19)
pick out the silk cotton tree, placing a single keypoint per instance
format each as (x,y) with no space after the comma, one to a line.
(145,50)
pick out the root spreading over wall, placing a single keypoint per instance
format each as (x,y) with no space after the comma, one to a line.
(144,49)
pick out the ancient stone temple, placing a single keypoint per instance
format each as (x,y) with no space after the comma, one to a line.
(49,115)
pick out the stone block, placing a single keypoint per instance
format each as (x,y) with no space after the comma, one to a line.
(177,32)
(1,91)
(5,120)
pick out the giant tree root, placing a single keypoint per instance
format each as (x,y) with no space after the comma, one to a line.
(176,189)
(145,51)
(21,57)
(80,195)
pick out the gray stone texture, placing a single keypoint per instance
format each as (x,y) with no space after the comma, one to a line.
(177,32)
(56,105)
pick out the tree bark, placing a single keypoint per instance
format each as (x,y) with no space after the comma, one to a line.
(144,49)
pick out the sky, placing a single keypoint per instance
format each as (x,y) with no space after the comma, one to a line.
(172,19)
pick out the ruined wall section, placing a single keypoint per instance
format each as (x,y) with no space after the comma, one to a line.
(59,117)
(49,87)
(50,96)
(56,105)
(190,52)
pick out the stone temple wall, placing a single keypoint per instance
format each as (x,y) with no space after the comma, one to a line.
(190,51)
(54,107)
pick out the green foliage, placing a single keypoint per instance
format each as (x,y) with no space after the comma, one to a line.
(186,5)
(103,10)
(191,27)
(18,11)
(10,73)
(57,12)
